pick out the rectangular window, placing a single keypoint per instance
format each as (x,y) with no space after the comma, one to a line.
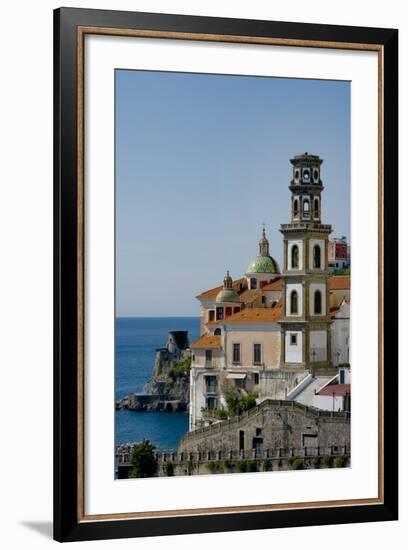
(257,354)
(211,403)
(211,315)
(237,309)
(256,378)
(309,440)
(293,339)
(210,384)
(236,353)
(228,311)
(220,313)
(341,376)
(208,355)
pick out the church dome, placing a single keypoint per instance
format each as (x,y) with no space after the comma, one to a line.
(227,295)
(263,264)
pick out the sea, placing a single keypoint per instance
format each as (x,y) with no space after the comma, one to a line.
(137,339)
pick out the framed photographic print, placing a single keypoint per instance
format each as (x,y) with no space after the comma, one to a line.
(225,274)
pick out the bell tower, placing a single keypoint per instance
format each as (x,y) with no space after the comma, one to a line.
(305,326)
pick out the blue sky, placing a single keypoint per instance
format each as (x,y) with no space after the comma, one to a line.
(201,162)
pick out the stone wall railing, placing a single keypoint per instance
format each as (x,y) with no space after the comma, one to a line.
(236,455)
(267,403)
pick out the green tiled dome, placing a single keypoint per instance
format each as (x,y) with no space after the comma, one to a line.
(263,264)
(227,295)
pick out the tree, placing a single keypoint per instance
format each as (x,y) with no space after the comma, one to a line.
(237,401)
(143,460)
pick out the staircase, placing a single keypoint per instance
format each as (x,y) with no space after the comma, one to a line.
(306,393)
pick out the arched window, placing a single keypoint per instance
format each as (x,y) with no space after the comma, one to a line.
(316,257)
(316,208)
(217,332)
(296,207)
(306,207)
(293,302)
(295,256)
(317,302)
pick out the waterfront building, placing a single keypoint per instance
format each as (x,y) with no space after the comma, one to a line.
(274,334)
(339,255)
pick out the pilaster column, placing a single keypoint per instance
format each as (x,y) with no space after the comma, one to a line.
(329,346)
(282,350)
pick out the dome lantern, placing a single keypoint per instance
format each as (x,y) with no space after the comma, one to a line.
(228,294)
(263,263)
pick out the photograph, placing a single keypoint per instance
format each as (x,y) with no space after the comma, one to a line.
(233,274)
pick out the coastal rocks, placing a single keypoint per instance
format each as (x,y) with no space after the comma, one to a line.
(171,372)
(155,403)
(169,387)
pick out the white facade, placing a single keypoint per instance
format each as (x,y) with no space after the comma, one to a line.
(293,346)
(318,345)
(264,278)
(340,331)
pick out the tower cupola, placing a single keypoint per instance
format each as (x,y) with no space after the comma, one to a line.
(263,244)
(306,187)
(228,281)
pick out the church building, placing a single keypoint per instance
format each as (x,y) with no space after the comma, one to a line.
(276,334)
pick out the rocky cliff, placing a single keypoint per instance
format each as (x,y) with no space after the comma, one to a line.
(171,377)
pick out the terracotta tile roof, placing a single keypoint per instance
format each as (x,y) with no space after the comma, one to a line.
(339,282)
(249,296)
(207,342)
(212,293)
(274,285)
(256,315)
(335,389)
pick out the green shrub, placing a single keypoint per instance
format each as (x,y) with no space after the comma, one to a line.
(296,464)
(190,467)
(168,469)
(242,466)
(219,413)
(237,401)
(180,369)
(211,466)
(339,461)
(327,461)
(267,465)
(252,466)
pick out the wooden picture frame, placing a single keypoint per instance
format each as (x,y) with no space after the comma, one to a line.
(70,27)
